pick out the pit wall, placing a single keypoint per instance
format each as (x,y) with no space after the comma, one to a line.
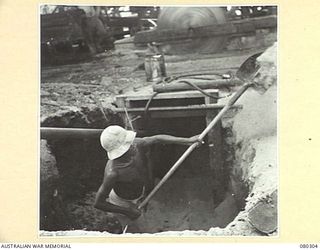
(254,142)
(66,174)
(255,163)
(251,134)
(70,179)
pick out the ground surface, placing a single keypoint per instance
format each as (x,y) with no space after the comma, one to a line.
(96,82)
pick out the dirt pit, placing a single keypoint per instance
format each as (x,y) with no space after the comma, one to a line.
(187,201)
(188,204)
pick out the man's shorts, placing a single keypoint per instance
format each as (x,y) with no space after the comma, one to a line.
(124,220)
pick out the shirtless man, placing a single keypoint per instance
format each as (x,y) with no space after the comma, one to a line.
(128,175)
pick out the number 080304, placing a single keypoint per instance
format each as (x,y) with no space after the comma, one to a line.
(308,245)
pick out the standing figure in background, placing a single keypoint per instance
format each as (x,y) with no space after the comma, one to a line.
(94,29)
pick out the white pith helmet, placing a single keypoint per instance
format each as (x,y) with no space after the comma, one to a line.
(116,140)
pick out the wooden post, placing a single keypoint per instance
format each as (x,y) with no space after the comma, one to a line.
(215,153)
(122,102)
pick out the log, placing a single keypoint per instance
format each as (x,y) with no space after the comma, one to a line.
(74,133)
(234,28)
(180,86)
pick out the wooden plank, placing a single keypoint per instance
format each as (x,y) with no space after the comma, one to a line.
(177,113)
(215,152)
(175,108)
(174,95)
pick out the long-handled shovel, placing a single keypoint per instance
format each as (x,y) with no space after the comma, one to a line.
(246,73)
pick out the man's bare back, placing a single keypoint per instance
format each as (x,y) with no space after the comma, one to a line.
(133,172)
(130,174)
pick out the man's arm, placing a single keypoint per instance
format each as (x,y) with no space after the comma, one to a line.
(109,180)
(169,139)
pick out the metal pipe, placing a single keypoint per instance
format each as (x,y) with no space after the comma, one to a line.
(74,133)
(78,133)
(234,98)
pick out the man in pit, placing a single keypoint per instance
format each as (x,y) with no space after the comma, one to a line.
(128,173)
